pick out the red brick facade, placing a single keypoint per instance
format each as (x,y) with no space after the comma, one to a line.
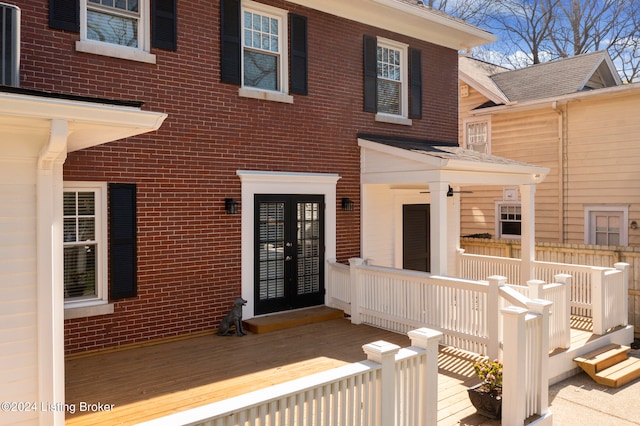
(188,248)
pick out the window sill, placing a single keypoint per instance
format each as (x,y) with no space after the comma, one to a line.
(87,309)
(265,95)
(393,119)
(106,49)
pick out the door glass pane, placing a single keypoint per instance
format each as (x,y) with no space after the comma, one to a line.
(271,243)
(309,250)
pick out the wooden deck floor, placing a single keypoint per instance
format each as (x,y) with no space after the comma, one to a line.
(153,381)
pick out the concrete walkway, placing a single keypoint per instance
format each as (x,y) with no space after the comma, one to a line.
(579,401)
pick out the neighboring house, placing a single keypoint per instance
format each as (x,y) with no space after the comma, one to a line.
(572,116)
(248,182)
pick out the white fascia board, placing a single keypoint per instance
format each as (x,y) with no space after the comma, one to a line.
(90,123)
(402,18)
(431,161)
(493,95)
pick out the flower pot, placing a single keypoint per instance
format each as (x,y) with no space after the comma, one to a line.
(487,403)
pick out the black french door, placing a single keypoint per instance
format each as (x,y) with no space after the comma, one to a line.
(289,252)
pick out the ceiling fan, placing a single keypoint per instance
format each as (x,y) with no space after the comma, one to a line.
(450,192)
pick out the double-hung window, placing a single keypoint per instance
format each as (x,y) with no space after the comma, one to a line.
(477,135)
(84,243)
(392,74)
(392,80)
(119,28)
(264,48)
(508,220)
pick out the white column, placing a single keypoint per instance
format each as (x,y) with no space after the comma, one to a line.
(50,287)
(439,226)
(528,236)
(453,233)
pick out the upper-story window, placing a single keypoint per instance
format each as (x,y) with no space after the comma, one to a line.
(392,80)
(119,28)
(477,135)
(392,76)
(264,49)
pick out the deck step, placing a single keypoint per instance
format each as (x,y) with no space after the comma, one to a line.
(610,365)
(290,319)
(619,374)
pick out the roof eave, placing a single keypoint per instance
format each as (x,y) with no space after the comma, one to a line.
(402,18)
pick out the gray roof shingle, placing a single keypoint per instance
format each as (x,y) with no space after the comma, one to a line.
(554,78)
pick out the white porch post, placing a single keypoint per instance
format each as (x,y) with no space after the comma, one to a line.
(384,353)
(439,226)
(528,235)
(50,292)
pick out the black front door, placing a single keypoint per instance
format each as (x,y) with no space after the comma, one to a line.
(289,252)
(416,251)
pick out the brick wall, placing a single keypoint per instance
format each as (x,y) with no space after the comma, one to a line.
(188,248)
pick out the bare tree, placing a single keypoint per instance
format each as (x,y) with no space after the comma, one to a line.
(534,31)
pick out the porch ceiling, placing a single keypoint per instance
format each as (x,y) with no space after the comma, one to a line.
(402,161)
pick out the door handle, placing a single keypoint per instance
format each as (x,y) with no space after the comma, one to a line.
(287,258)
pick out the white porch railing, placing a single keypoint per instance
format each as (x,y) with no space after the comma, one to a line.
(468,316)
(393,386)
(596,292)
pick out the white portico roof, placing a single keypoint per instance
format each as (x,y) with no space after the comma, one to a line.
(410,162)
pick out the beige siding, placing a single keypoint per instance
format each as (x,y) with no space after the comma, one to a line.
(18,329)
(529,136)
(603,162)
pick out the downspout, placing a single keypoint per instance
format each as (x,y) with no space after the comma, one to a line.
(561,110)
(49,272)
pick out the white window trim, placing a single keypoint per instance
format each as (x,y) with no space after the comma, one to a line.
(498,228)
(401,118)
(471,120)
(613,208)
(281,95)
(98,305)
(140,54)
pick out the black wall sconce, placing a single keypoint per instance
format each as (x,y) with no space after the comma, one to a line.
(347,204)
(231,206)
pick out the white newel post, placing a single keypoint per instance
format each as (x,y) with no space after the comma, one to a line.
(427,339)
(536,289)
(542,308)
(493,314)
(513,397)
(384,353)
(624,303)
(354,280)
(528,232)
(598,289)
(565,309)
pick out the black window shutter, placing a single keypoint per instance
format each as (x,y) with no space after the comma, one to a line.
(122,241)
(164,21)
(415,83)
(370,74)
(298,58)
(230,49)
(64,15)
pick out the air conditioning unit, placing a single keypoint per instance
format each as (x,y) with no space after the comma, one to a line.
(9,45)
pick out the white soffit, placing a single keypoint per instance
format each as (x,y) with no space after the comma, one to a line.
(90,123)
(400,17)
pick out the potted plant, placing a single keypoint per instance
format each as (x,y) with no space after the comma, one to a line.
(486,397)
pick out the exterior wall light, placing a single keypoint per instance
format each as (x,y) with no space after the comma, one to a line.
(231,206)
(347,204)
